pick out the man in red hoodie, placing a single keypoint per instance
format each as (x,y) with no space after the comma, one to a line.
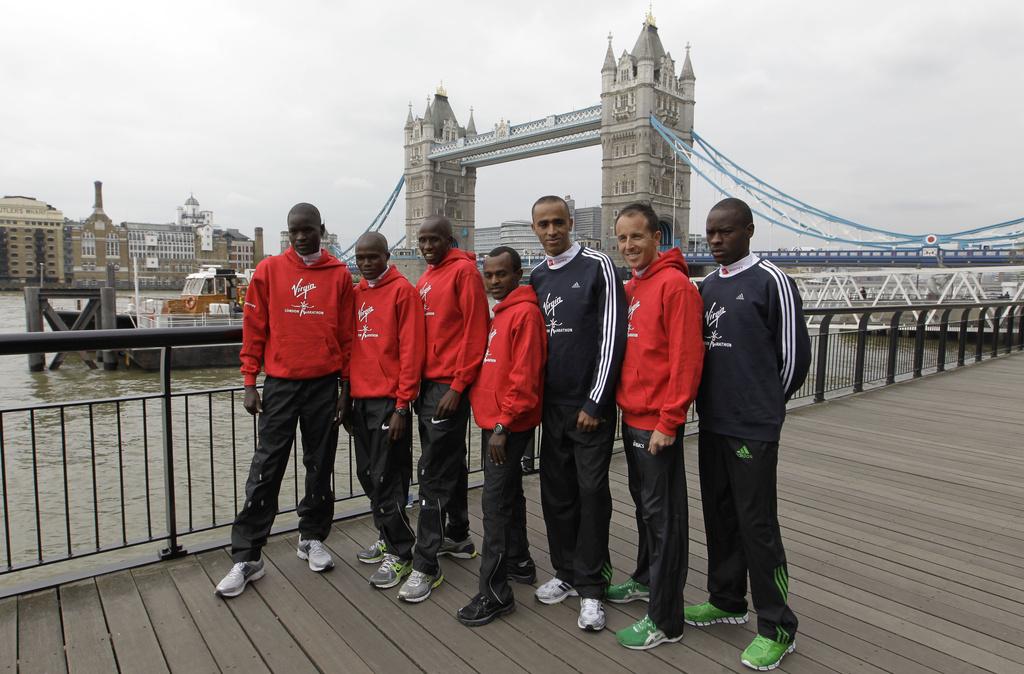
(660,375)
(506,400)
(455,317)
(297,326)
(387,358)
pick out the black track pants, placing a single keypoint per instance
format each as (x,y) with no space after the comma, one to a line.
(575,497)
(738,492)
(380,465)
(658,486)
(443,476)
(312,404)
(504,509)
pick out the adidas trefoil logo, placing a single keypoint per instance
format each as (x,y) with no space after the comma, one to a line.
(576,284)
(740,296)
(743,452)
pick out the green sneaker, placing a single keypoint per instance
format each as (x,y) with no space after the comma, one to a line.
(391,572)
(764,655)
(643,634)
(702,615)
(627,592)
(373,554)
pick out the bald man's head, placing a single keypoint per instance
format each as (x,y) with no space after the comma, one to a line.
(435,238)
(372,255)
(305,228)
(372,241)
(439,224)
(306,209)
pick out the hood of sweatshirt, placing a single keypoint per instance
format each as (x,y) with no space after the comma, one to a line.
(517,296)
(672,258)
(390,275)
(453,255)
(326,260)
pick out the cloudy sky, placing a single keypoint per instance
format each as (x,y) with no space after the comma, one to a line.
(905,114)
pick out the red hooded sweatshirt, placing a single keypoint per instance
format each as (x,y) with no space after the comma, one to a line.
(297,322)
(664,346)
(387,352)
(455,313)
(508,390)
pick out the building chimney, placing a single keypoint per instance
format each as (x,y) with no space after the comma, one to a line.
(98,206)
(257,253)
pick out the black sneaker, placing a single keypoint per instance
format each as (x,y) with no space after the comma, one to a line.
(523,572)
(482,610)
(459,549)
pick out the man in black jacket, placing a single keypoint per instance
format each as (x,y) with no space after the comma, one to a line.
(757,354)
(584,310)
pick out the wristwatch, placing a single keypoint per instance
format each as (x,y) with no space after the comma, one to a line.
(402,411)
(499,429)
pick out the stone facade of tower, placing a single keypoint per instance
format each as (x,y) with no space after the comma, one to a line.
(637,164)
(438,188)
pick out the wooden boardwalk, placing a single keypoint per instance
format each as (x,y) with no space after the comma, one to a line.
(901,518)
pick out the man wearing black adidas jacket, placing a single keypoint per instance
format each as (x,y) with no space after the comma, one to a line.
(584,310)
(757,353)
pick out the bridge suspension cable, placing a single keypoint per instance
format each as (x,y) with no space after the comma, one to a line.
(782,209)
(378,222)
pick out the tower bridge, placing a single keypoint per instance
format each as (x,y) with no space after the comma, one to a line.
(442,156)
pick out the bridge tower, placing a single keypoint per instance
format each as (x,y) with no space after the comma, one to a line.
(443,187)
(637,164)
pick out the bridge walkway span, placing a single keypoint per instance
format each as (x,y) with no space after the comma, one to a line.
(900,509)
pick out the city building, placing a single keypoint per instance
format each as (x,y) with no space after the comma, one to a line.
(487,239)
(163,253)
(31,234)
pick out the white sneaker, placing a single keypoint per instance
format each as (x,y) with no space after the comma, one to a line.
(554,591)
(317,555)
(591,615)
(240,575)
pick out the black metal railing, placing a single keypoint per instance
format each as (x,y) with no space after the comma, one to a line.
(107,475)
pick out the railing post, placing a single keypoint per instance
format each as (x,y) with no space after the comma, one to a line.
(34,323)
(862,340)
(995,332)
(1009,329)
(1020,327)
(922,316)
(940,357)
(819,376)
(961,348)
(979,345)
(173,549)
(894,343)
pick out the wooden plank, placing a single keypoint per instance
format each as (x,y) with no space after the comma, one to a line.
(183,646)
(9,635)
(135,645)
(344,613)
(269,637)
(40,640)
(316,636)
(437,615)
(86,637)
(417,644)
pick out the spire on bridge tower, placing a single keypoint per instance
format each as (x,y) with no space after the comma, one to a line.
(408,118)
(471,124)
(609,57)
(687,74)
(649,19)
